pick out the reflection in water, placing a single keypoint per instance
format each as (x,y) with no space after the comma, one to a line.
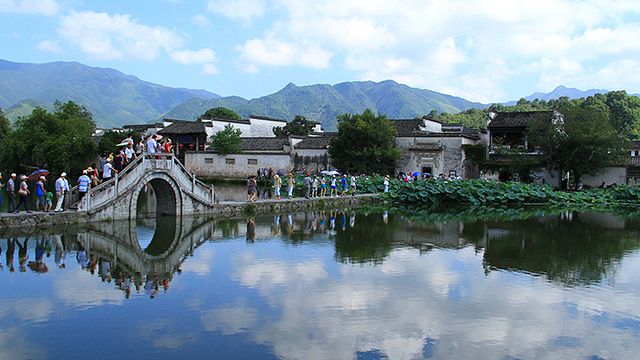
(333,284)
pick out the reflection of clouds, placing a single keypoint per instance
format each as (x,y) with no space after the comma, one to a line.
(79,289)
(202,264)
(162,334)
(32,310)
(397,307)
(230,320)
(13,345)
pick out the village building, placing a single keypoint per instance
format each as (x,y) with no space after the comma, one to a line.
(185,136)
(432,148)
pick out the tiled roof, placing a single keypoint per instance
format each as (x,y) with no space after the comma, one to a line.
(520,118)
(189,127)
(406,127)
(141,126)
(262,143)
(241,121)
(316,142)
(260,117)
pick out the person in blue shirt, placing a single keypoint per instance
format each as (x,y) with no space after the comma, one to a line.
(84,185)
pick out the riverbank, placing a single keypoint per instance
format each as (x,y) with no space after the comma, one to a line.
(223,209)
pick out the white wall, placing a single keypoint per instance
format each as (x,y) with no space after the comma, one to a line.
(208,164)
(610,175)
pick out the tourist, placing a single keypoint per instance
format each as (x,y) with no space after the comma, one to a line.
(84,185)
(343,183)
(129,153)
(168,146)
(353,185)
(1,198)
(48,201)
(277,184)
(107,171)
(92,172)
(40,193)
(290,184)
(334,186)
(151,145)
(386,183)
(252,188)
(23,193)
(314,186)
(140,147)
(307,185)
(61,189)
(323,187)
(11,194)
(118,161)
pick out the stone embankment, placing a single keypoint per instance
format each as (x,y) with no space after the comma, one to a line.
(28,221)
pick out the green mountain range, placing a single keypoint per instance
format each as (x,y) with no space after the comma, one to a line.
(113,97)
(323,103)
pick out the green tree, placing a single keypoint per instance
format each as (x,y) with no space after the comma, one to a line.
(365,144)
(5,126)
(299,126)
(583,143)
(221,113)
(625,113)
(227,141)
(59,141)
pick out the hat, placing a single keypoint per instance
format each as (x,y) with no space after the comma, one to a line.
(84,172)
(89,169)
(42,178)
(63,174)
(22,177)
(13,174)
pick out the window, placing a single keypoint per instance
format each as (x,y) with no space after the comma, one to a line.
(208,160)
(252,161)
(230,161)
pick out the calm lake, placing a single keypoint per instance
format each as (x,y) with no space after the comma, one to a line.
(341,284)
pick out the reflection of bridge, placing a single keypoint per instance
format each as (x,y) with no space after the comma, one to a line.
(177,192)
(174,240)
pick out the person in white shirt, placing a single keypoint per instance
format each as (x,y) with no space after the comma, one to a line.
(108,170)
(61,189)
(151,145)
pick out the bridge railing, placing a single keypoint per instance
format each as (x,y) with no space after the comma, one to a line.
(123,181)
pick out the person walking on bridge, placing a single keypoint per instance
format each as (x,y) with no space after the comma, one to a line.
(61,190)
(84,185)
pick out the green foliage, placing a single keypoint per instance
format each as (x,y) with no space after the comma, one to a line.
(227,141)
(583,143)
(108,142)
(299,126)
(365,144)
(5,126)
(221,113)
(58,141)
(482,192)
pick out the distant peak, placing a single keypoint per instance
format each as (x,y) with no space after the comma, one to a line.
(561,87)
(290,85)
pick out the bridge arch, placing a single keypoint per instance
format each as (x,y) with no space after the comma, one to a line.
(169,196)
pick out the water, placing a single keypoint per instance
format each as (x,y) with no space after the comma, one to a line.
(342,284)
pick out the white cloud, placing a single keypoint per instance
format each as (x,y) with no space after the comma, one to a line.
(50,46)
(188,57)
(201,21)
(40,7)
(243,10)
(446,45)
(275,52)
(109,37)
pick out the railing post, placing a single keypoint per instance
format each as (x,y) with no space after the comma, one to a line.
(116,187)
(193,183)
(212,195)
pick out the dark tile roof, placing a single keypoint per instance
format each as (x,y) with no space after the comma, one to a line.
(520,118)
(260,117)
(140,126)
(406,127)
(262,143)
(183,127)
(241,121)
(315,142)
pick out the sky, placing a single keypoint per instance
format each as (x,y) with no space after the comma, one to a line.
(482,50)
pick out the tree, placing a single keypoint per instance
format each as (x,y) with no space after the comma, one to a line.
(5,126)
(299,126)
(111,138)
(583,143)
(58,141)
(227,141)
(365,144)
(221,113)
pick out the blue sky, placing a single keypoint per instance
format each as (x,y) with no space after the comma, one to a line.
(482,50)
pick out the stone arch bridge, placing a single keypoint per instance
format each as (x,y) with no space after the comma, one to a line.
(177,192)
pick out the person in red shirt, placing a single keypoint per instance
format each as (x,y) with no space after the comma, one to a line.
(168,146)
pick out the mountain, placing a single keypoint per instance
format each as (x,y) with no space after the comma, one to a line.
(324,102)
(114,98)
(560,91)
